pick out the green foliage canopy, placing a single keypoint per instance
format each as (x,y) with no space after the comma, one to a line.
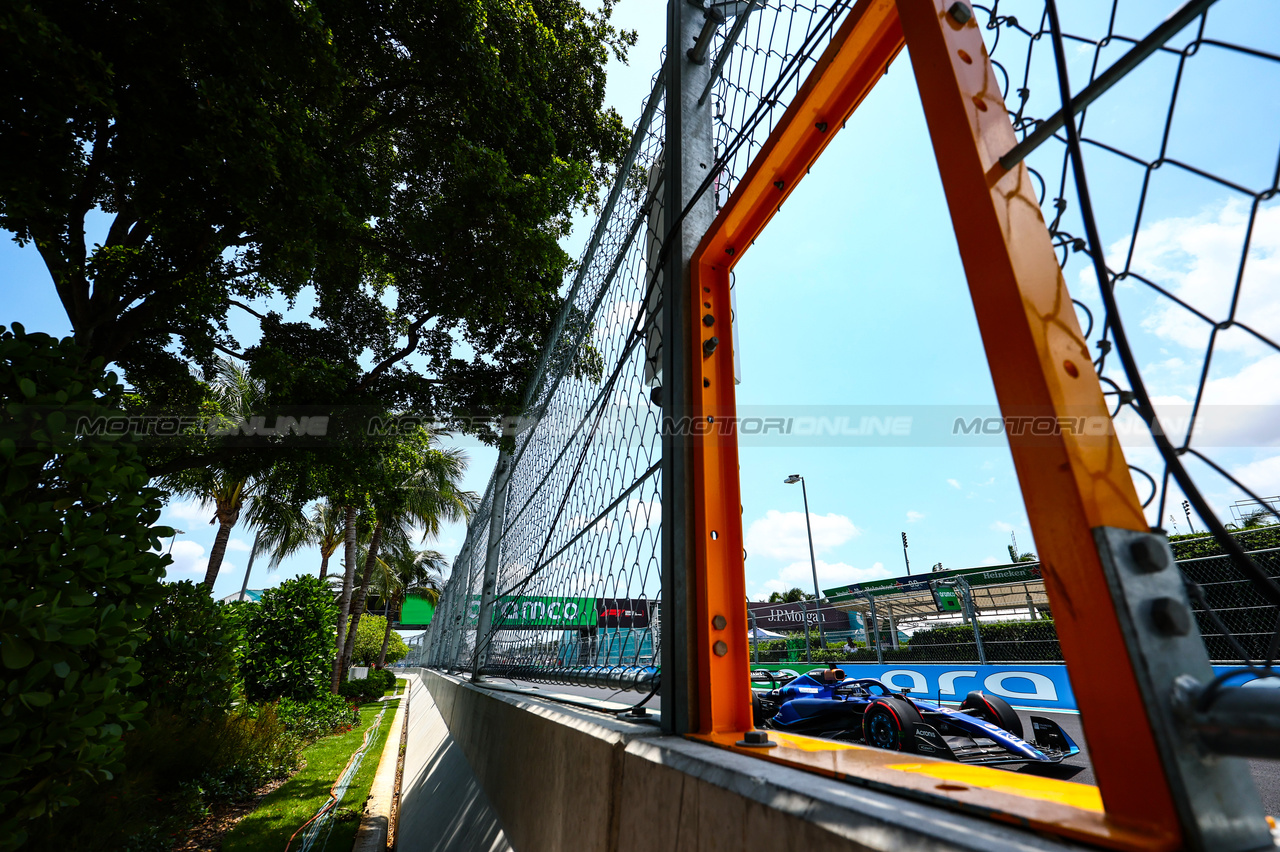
(413,162)
(79,571)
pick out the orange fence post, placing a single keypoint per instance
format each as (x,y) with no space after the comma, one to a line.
(1073,481)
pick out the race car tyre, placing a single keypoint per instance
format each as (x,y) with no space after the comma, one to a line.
(890,724)
(759,713)
(993,709)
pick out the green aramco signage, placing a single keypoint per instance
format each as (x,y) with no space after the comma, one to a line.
(517,611)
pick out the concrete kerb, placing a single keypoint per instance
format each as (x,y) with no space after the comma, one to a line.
(560,777)
(375,821)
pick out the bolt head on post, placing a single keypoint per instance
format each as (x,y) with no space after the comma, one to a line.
(1170,617)
(1149,554)
(960,12)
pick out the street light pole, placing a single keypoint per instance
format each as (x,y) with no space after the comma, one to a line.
(813,563)
(176,533)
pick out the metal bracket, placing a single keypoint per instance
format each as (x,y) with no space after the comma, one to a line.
(714,18)
(1220,807)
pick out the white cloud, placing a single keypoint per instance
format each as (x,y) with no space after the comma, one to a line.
(188,558)
(991,560)
(1261,476)
(954,483)
(830,575)
(781,535)
(913,516)
(190,510)
(1001,526)
(238,544)
(1197,258)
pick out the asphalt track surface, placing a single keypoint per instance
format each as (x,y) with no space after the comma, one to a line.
(1266,773)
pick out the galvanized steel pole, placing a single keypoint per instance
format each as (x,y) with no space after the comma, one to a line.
(687,158)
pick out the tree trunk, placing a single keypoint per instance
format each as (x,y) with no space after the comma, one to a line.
(357,606)
(215,555)
(344,602)
(324,564)
(386,637)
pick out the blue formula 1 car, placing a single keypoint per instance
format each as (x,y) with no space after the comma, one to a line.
(985,730)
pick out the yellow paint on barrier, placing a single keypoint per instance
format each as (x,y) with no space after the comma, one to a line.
(957,775)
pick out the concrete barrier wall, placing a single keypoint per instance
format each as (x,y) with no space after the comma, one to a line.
(443,808)
(561,778)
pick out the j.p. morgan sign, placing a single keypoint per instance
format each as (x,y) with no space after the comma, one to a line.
(792,616)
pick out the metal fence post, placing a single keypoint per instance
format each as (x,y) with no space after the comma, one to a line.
(966,598)
(755,640)
(893,627)
(688,154)
(456,625)
(497,517)
(875,627)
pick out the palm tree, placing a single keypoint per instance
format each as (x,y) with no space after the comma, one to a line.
(234,395)
(286,529)
(428,496)
(408,572)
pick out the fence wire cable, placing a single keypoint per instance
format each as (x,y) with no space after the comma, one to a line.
(1236,596)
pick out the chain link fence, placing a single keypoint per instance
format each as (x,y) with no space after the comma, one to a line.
(560,570)
(1158,173)
(559,577)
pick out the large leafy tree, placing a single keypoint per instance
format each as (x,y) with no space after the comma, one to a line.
(197,130)
(414,161)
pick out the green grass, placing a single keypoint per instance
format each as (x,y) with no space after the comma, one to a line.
(268,828)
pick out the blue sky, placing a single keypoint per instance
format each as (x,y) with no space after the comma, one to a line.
(855,296)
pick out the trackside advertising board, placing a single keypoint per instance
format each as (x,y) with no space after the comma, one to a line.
(417,611)
(1024,687)
(524,612)
(944,597)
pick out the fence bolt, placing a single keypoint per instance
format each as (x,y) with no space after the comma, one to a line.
(960,13)
(708,320)
(720,648)
(709,345)
(755,739)
(1170,617)
(719,622)
(1148,555)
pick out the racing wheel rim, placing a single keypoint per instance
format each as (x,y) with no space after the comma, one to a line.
(883,730)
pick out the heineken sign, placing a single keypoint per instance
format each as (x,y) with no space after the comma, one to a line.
(943,593)
(521,612)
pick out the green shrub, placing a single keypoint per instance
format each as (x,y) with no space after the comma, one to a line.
(79,571)
(288,641)
(188,661)
(384,677)
(178,766)
(1199,545)
(369,635)
(319,717)
(364,690)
